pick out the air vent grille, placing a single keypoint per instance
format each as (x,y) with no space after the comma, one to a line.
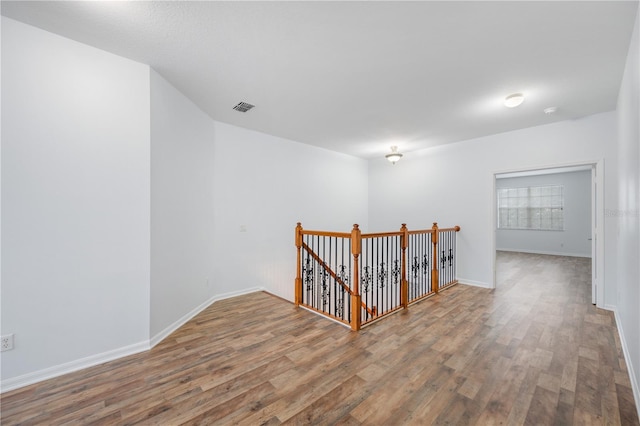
(243,107)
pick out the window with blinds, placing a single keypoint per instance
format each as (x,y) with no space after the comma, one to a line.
(533,207)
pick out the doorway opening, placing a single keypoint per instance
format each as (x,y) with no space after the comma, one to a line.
(551,211)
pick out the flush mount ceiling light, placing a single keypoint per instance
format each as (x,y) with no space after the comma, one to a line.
(514,100)
(394,156)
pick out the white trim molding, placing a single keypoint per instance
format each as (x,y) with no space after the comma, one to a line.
(70,367)
(628,361)
(185,318)
(550,253)
(93,360)
(474,283)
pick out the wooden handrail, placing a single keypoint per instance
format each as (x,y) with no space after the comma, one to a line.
(429,231)
(455,228)
(372,311)
(326,268)
(382,234)
(327,234)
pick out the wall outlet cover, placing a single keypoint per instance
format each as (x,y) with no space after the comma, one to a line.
(6,343)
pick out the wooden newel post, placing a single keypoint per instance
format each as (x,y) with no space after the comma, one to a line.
(435,280)
(298,284)
(404,285)
(356,298)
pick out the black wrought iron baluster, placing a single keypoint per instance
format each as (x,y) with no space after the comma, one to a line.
(307,272)
(382,275)
(395,272)
(332,280)
(366,279)
(340,300)
(377,291)
(324,294)
(415,267)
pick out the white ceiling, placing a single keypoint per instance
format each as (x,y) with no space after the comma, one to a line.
(357,77)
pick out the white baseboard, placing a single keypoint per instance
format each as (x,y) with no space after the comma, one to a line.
(551,253)
(627,359)
(185,318)
(610,308)
(474,283)
(69,367)
(92,360)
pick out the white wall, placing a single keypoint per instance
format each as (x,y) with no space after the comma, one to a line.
(122,205)
(627,214)
(209,179)
(267,184)
(182,208)
(574,240)
(75,200)
(453,184)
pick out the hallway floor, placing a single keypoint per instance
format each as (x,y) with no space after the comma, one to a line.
(533,351)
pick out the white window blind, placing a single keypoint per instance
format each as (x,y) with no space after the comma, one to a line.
(533,207)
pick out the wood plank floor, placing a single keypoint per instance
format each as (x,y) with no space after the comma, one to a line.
(533,351)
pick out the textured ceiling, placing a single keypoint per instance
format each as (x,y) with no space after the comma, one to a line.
(357,77)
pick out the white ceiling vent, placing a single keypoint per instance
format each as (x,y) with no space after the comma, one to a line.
(243,107)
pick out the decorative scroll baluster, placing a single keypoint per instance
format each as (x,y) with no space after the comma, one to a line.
(324,295)
(415,267)
(367,279)
(382,275)
(395,272)
(307,272)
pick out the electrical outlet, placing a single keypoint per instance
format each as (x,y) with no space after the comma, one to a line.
(6,343)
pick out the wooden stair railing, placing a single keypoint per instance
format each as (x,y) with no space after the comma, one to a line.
(385,281)
(331,272)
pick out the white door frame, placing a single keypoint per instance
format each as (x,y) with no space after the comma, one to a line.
(597,223)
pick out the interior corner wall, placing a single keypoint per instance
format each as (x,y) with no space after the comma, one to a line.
(225,202)
(263,186)
(182,208)
(454,185)
(627,213)
(575,238)
(75,200)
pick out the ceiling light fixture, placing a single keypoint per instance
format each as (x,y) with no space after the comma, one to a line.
(514,100)
(395,156)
